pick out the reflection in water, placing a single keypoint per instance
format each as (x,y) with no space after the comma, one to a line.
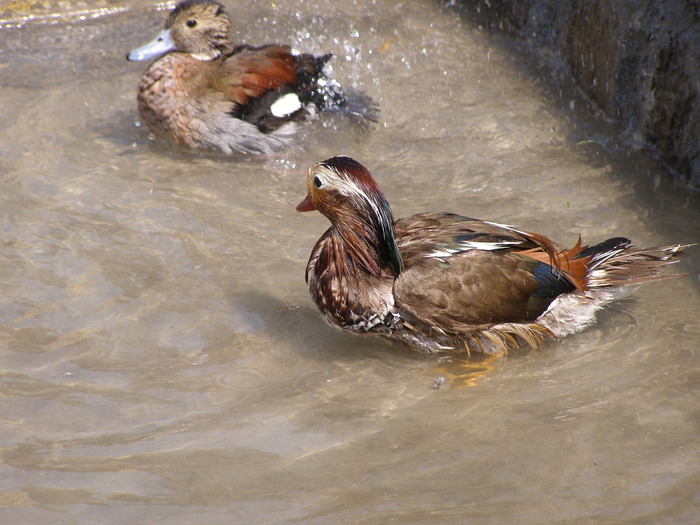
(162,361)
(460,372)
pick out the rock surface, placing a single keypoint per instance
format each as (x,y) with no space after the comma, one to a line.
(638,60)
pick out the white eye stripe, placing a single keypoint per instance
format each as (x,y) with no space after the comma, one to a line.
(342,184)
(350,189)
(346,186)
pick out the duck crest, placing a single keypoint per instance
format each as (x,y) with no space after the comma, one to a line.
(367,225)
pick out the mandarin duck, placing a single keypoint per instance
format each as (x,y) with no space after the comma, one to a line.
(205,93)
(444,282)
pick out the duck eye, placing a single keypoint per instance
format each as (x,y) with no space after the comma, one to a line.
(317,181)
(191,23)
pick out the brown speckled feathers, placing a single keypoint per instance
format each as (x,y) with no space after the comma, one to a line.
(203,92)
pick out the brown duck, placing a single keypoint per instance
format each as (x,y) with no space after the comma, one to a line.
(444,282)
(205,93)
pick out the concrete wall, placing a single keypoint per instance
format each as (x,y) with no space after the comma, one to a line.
(639,60)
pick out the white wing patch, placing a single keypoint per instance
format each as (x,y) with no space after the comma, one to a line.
(286,105)
(465,246)
(349,188)
(488,246)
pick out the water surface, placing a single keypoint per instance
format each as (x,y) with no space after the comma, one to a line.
(162,361)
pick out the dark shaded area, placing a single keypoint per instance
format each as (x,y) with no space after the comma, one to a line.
(638,60)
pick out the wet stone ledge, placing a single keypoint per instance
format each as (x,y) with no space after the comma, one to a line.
(638,60)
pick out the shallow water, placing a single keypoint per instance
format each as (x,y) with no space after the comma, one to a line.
(163,362)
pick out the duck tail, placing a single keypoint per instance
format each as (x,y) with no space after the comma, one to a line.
(327,94)
(314,86)
(616,263)
(602,273)
(359,105)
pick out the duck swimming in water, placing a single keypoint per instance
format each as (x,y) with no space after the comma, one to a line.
(205,93)
(444,282)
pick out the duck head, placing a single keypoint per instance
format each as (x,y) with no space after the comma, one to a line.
(345,192)
(197,27)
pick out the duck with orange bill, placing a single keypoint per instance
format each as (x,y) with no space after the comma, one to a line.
(445,282)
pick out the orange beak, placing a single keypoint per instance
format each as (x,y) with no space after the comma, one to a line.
(306,205)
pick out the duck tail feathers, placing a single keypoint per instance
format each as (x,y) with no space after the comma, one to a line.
(358,105)
(616,263)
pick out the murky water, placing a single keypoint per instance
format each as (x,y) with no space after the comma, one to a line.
(163,363)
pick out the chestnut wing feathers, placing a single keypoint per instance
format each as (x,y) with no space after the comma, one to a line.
(251,71)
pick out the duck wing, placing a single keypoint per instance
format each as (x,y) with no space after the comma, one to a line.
(462,274)
(270,86)
(249,72)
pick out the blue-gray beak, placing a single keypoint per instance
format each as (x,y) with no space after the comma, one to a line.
(160,45)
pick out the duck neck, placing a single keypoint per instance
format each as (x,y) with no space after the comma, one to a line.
(369,240)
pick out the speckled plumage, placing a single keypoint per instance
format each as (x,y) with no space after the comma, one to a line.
(444,282)
(205,93)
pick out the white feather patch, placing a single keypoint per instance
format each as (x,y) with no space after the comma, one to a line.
(488,246)
(286,105)
(471,245)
